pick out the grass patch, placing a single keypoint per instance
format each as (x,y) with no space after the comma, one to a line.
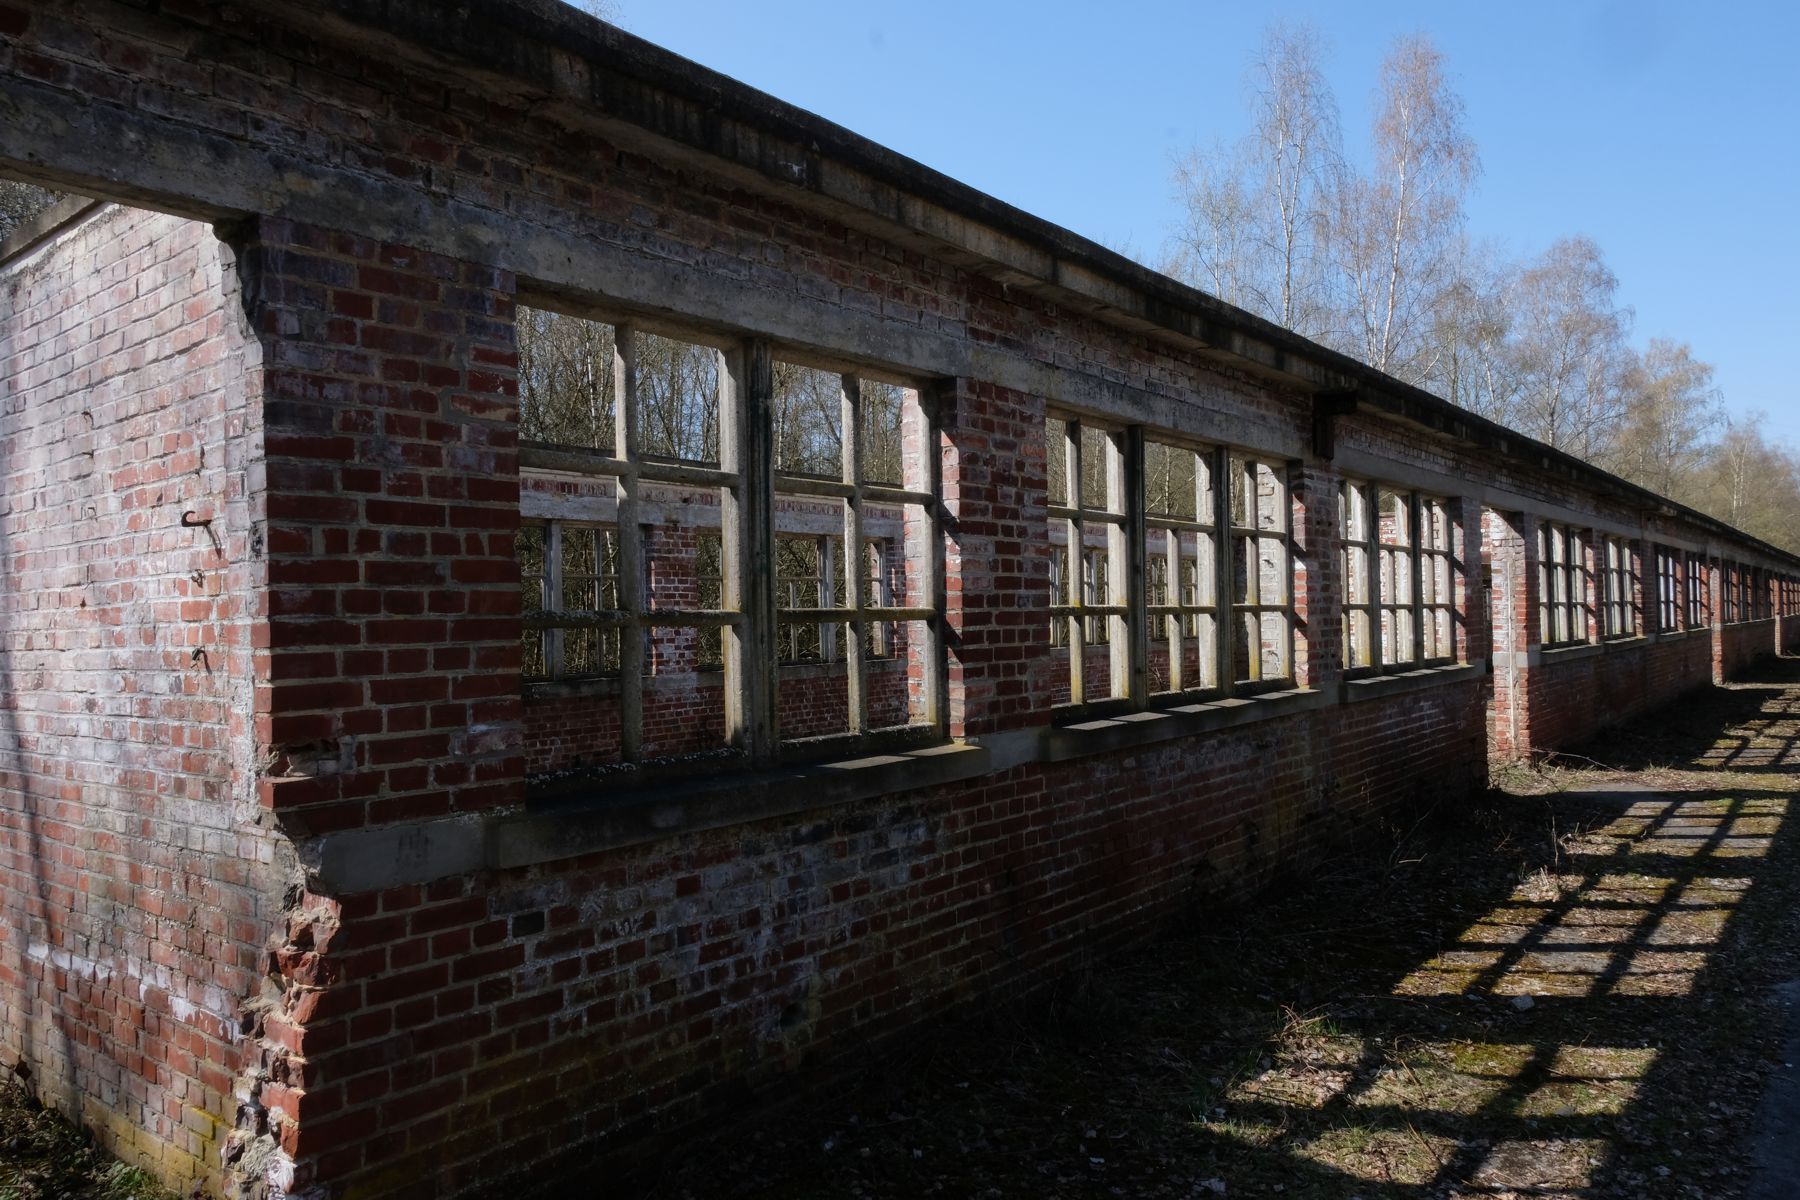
(43,1157)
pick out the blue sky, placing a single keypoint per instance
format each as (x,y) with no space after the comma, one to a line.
(1668,133)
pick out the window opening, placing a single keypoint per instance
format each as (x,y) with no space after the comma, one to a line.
(1400,574)
(1697,617)
(654,469)
(1181,559)
(1262,571)
(1619,580)
(1565,589)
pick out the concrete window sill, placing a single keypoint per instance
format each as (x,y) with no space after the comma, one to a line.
(1563,654)
(361,860)
(1130,730)
(1372,686)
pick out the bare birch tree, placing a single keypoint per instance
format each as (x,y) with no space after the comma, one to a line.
(1256,214)
(1470,355)
(1568,349)
(1397,230)
(1671,411)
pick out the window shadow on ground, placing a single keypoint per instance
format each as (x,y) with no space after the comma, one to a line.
(1559,991)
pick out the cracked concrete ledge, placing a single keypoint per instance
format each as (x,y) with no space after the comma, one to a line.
(364,860)
(1131,730)
(589,821)
(1371,686)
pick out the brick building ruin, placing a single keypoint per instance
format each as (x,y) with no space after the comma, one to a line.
(548,592)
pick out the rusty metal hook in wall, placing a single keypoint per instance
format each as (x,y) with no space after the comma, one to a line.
(191,520)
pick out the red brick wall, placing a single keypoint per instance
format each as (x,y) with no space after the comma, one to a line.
(137,884)
(431,1038)
(1741,644)
(1789,634)
(435,1036)
(393,498)
(1570,698)
(388,669)
(997,571)
(523,1016)
(542,1011)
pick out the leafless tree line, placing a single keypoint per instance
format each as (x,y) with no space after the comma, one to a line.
(1377,261)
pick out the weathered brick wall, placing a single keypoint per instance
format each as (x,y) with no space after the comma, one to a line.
(1676,665)
(1788,634)
(532,1015)
(1741,644)
(545,1011)
(1574,696)
(431,1037)
(393,500)
(1546,699)
(138,880)
(998,588)
(387,672)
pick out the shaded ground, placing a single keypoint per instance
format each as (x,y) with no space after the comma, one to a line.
(43,1157)
(1563,990)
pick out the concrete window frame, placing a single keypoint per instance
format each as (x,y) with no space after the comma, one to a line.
(1181,551)
(1398,561)
(748,482)
(1565,586)
(1095,583)
(1669,608)
(1237,604)
(1694,571)
(559,592)
(1618,581)
(1258,520)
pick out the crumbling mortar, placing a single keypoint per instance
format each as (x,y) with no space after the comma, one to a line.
(256,1164)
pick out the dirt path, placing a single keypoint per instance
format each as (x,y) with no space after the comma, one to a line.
(1564,990)
(1775,1145)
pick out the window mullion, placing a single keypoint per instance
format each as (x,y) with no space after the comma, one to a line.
(1415,531)
(827,597)
(1371,502)
(927,477)
(1076,556)
(631,546)
(851,440)
(1206,487)
(747,547)
(1173,624)
(1289,553)
(550,596)
(1130,648)
(1224,555)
